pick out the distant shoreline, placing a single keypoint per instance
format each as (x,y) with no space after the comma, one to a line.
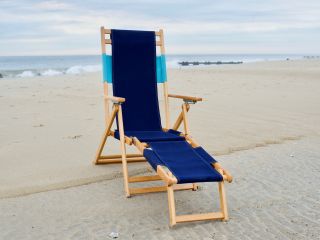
(34,66)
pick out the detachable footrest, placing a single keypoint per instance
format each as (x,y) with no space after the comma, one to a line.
(187,164)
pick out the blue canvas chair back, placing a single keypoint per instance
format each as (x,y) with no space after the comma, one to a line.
(134,70)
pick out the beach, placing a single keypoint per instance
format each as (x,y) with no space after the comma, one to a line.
(275,195)
(261,120)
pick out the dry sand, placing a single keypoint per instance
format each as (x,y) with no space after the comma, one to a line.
(50,127)
(275,195)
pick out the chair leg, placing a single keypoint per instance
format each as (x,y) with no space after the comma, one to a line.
(223,201)
(106,134)
(123,153)
(174,218)
(172,206)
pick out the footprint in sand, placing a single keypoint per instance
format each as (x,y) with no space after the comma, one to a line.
(39,125)
(74,137)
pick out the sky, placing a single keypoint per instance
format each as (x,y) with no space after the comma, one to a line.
(35,27)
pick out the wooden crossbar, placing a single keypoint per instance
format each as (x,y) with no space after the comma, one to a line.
(199,217)
(109,41)
(119,156)
(108,31)
(178,187)
(119,160)
(144,178)
(147,190)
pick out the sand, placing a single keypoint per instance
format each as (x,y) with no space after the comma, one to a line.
(275,195)
(50,127)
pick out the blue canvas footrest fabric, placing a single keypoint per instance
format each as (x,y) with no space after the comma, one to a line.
(188,165)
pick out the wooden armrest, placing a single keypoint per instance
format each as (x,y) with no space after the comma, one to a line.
(194,99)
(115,99)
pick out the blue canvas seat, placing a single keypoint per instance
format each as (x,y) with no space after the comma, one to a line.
(152,136)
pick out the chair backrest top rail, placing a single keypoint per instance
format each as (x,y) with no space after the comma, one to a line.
(109,41)
(108,31)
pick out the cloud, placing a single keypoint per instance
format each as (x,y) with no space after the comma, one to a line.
(52,5)
(56,24)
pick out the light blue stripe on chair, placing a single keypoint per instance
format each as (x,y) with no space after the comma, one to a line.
(107,68)
(161,69)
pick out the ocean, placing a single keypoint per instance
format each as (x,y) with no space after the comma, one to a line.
(31,66)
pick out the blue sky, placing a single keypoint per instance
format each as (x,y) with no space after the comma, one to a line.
(56,27)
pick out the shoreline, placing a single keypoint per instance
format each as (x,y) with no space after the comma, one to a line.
(79,69)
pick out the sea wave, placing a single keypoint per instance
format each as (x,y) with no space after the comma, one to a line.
(78,69)
(51,72)
(26,74)
(74,70)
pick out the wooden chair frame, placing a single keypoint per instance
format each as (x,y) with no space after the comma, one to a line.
(162,172)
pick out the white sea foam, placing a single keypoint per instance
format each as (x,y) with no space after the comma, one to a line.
(26,74)
(78,69)
(51,72)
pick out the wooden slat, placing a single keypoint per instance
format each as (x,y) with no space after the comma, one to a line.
(167,177)
(223,201)
(184,186)
(199,217)
(193,143)
(109,41)
(123,151)
(166,103)
(172,206)
(115,99)
(165,84)
(177,187)
(226,175)
(185,119)
(179,119)
(106,133)
(141,146)
(119,160)
(119,156)
(107,31)
(106,102)
(185,97)
(103,47)
(144,178)
(148,190)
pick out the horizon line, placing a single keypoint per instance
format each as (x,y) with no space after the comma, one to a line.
(200,54)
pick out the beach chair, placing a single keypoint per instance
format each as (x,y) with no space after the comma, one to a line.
(135,71)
